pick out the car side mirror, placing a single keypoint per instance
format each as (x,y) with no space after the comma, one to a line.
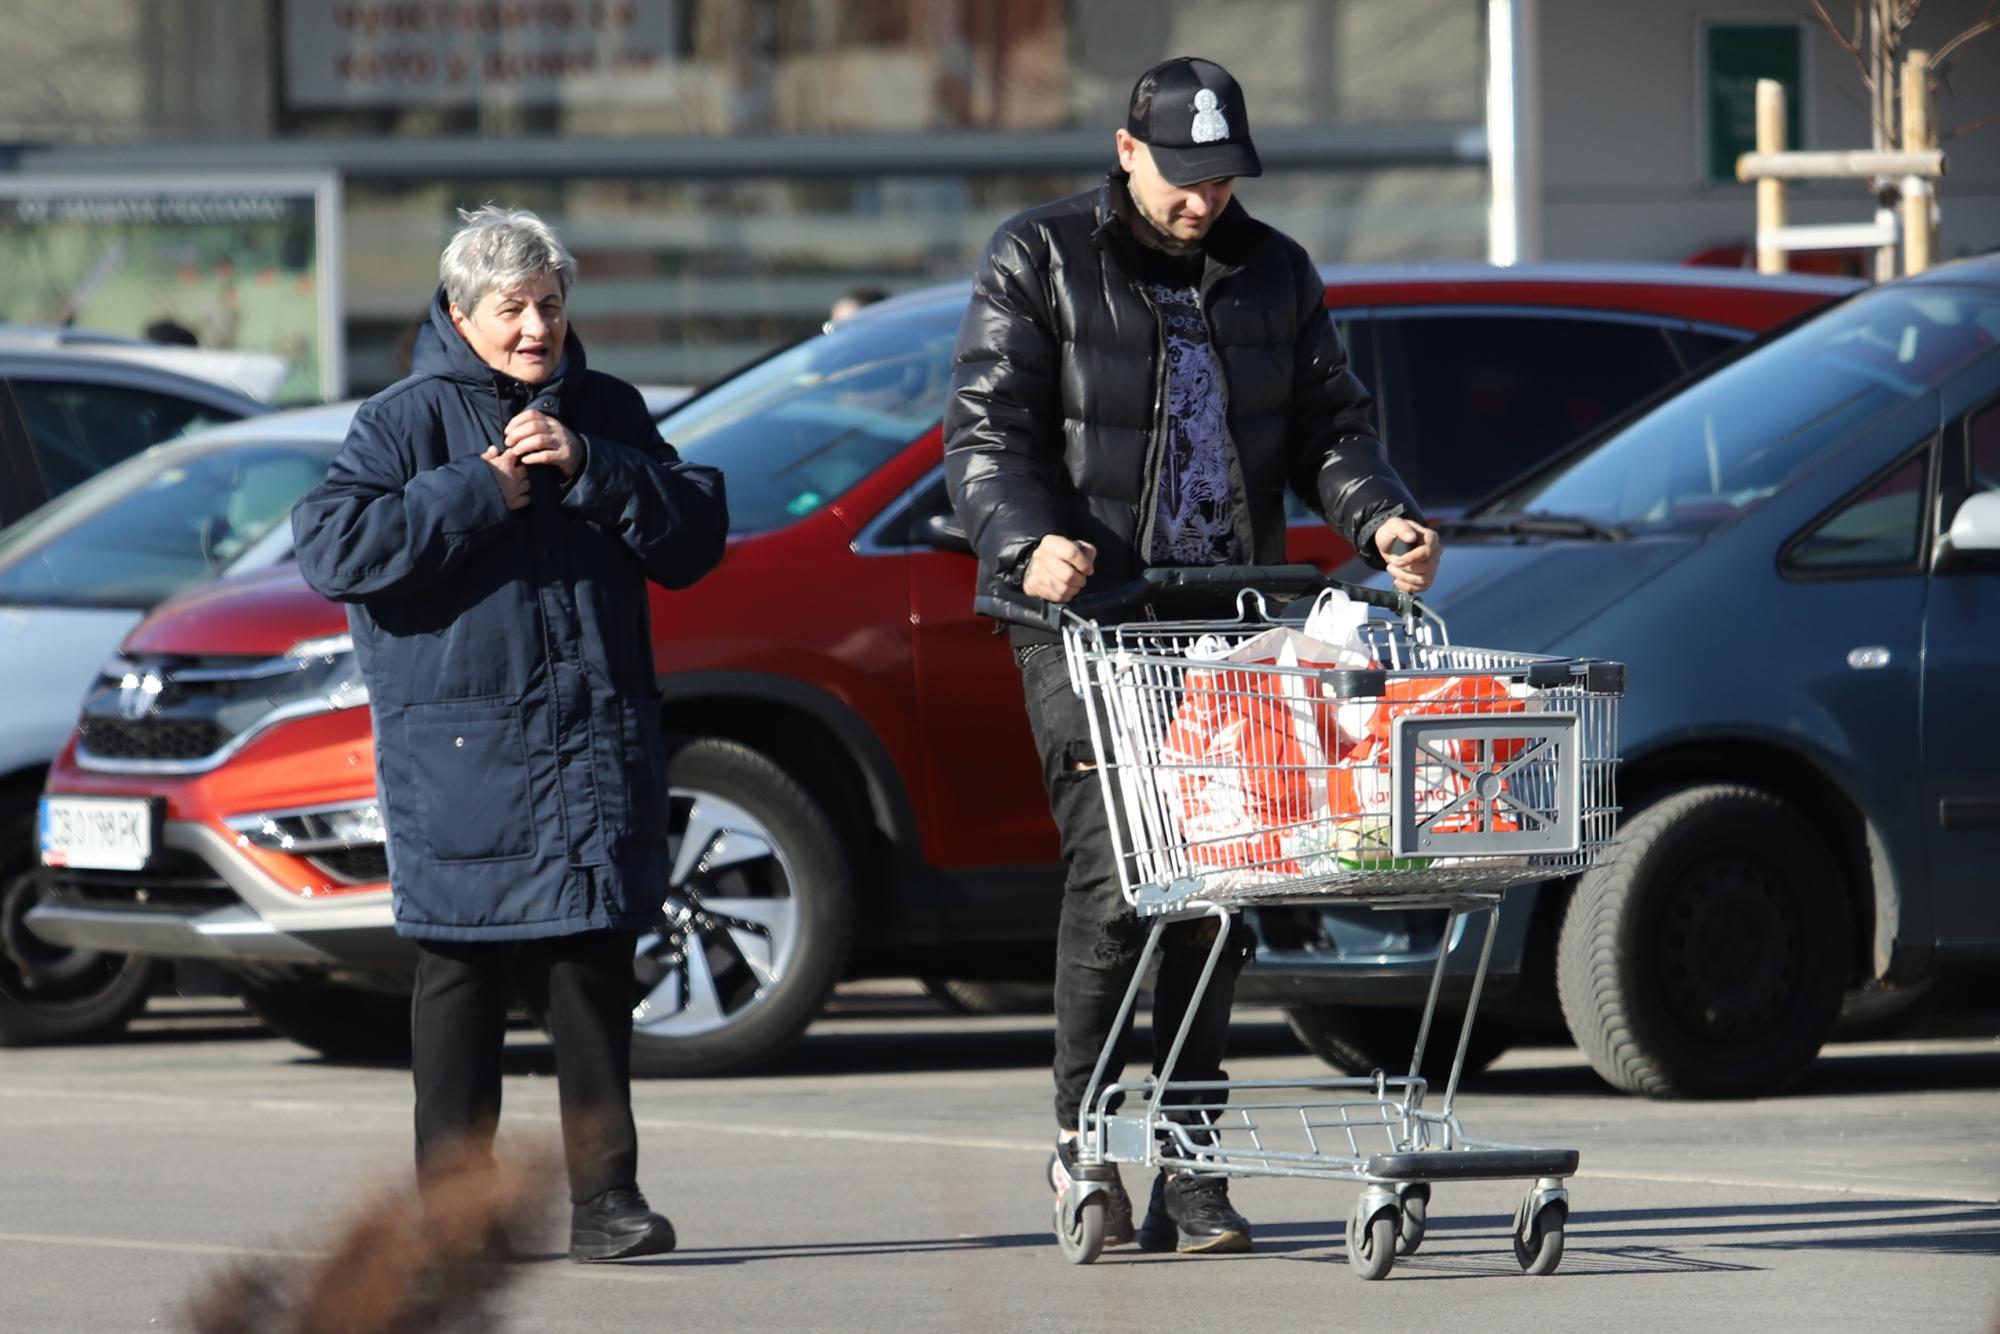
(940,532)
(1976,526)
(1973,540)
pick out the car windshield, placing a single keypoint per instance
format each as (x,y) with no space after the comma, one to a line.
(795,431)
(1727,442)
(142,531)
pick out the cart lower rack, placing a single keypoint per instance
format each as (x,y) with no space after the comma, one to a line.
(1244,764)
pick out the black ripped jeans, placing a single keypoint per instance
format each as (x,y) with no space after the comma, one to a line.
(1099,937)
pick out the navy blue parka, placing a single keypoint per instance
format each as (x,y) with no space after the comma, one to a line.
(508,654)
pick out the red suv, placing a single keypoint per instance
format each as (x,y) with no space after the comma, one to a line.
(853,786)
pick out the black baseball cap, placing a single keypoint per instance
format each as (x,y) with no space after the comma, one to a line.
(1194,121)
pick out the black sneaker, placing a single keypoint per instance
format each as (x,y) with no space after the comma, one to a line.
(1117,1204)
(1191,1214)
(617,1225)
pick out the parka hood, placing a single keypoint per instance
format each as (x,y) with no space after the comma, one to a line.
(442,351)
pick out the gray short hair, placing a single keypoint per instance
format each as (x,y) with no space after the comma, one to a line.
(498,249)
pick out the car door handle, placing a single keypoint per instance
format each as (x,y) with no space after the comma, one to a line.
(1869,659)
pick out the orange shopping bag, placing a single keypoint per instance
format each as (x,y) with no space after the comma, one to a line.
(1361,786)
(1244,760)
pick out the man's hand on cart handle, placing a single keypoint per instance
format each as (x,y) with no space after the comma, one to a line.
(1058,567)
(1413,563)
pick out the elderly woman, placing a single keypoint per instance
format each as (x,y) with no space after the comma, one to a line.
(491,523)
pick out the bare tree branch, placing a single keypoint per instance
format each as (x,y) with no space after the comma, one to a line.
(1978,29)
(1969,127)
(1851,44)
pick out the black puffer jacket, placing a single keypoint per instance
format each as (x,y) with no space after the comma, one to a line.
(1054,421)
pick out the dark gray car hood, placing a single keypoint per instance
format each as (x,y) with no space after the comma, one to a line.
(1528,595)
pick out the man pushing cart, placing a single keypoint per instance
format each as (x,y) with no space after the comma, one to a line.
(1142,371)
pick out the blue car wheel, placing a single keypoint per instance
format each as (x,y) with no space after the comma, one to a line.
(1708,958)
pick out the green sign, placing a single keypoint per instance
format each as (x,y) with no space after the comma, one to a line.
(243,264)
(1734,57)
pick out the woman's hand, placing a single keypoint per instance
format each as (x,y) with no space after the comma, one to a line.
(511,474)
(536,437)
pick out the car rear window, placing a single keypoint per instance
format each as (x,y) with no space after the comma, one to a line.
(77,430)
(795,431)
(1482,398)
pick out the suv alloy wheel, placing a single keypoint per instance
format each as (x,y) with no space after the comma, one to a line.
(760,908)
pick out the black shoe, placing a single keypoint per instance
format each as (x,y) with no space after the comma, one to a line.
(617,1225)
(1117,1204)
(1191,1214)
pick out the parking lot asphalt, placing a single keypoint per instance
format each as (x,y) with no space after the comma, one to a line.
(888,1175)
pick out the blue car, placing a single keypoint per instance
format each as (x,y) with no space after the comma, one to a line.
(1798,558)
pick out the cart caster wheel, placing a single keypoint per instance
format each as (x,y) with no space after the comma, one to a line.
(1080,1227)
(1416,1202)
(1371,1243)
(1538,1246)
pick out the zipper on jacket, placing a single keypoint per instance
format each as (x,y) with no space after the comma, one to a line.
(1149,486)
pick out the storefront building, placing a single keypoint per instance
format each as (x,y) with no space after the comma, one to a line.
(724,169)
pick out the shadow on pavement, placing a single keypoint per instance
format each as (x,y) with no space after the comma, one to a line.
(1848,1070)
(927,1038)
(947,1045)
(1908,1225)
(1858,1070)
(1601,1242)
(737,1255)
(1667,1240)
(950,1046)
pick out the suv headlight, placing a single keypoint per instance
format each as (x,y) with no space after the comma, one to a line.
(325,671)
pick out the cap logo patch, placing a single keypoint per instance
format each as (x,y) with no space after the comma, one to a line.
(1210,125)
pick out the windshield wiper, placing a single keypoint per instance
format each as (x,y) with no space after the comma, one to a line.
(1535,525)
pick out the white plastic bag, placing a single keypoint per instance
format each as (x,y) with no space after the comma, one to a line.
(1337,619)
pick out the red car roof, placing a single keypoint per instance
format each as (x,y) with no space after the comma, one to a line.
(1733,298)
(1727,297)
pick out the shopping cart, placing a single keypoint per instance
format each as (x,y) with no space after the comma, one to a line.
(1408,773)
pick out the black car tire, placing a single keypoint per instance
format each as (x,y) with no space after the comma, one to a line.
(1360,1039)
(821,889)
(1707,959)
(52,993)
(340,1023)
(966,996)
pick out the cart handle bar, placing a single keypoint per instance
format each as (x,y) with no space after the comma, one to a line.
(1191,588)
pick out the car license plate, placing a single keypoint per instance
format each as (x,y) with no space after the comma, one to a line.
(97,833)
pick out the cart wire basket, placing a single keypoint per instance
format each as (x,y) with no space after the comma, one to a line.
(1243,764)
